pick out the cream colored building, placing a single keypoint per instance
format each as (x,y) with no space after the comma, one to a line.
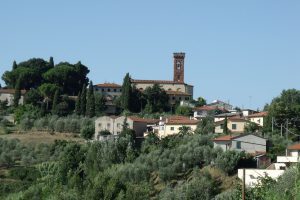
(234,125)
(258,118)
(173,125)
(115,124)
(8,95)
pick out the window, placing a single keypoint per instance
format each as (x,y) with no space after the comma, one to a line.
(179,98)
(173,98)
(102,89)
(120,90)
(115,90)
(99,125)
(238,144)
(187,98)
(233,126)
(178,65)
(108,125)
(108,90)
(172,128)
(118,125)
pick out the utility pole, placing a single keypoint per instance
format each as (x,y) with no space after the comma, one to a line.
(243,186)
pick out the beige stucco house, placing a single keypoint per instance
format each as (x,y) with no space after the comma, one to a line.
(234,125)
(258,118)
(8,95)
(115,124)
(172,125)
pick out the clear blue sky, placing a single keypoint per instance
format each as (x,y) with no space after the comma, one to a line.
(242,51)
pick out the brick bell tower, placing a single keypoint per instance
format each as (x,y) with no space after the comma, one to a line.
(178,67)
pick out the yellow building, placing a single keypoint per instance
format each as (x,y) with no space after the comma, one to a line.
(258,118)
(173,125)
(234,125)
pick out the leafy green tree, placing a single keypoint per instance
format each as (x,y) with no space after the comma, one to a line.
(126,92)
(90,102)
(206,126)
(157,99)
(199,102)
(87,132)
(67,76)
(285,109)
(31,71)
(33,97)
(184,110)
(47,90)
(251,127)
(228,161)
(185,130)
(17,94)
(83,100)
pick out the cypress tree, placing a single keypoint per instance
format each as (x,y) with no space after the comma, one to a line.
(225,128)
(78,104)
(126,92)
(55,102)
(90,103)
(99,104)
(51,62)
(17,94)
(15,65)
(83,100)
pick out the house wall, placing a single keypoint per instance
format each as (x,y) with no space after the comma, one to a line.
(250,144)
(108,91)
(219,129)
(167,129)
(240,126)
(104,123)
(225,145)
(252,175)
(200,114)
(168,86)
(294,153)
(257,120)
(10,98)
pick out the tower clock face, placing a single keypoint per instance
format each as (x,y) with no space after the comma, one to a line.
(178,65)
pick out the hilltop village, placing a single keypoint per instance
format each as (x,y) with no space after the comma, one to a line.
(144,138)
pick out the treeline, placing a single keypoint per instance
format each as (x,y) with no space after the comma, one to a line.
(123,169)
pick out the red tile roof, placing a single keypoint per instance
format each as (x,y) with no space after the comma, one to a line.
(156,81)
(11,91)
(294,147)
(109,85)
(260,114)
(183,122)
(224,138)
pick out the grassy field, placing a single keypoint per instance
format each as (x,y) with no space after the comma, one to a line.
(42,137)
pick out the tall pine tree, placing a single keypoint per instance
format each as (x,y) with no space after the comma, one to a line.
(55,101)
(126,92)
(78,104)
(90,102)
(17,94)
(225,127)
(99,104)
(83,100)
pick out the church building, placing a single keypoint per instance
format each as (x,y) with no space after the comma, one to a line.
(177,89)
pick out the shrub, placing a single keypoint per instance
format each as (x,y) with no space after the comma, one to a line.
(87,132)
